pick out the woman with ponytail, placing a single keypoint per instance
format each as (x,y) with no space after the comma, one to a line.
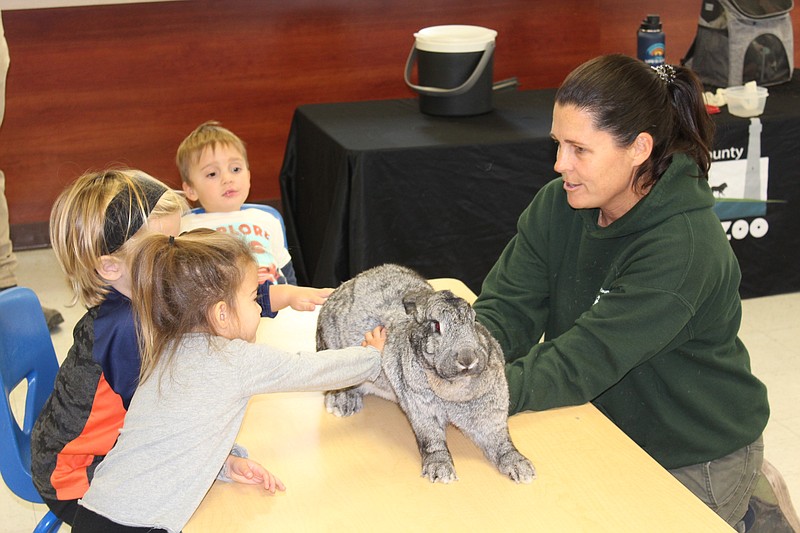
(620,287)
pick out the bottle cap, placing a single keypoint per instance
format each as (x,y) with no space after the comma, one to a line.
(651,22)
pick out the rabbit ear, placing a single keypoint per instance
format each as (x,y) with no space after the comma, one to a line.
(448,295)
(410,301)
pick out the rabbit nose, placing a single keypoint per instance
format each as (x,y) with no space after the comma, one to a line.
(467,361)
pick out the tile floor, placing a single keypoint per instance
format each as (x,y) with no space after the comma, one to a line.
(770,329)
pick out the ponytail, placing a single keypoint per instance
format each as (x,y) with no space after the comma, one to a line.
(174,284)
(694,129)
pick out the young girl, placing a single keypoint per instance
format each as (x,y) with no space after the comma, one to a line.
(93,225)
(195,297)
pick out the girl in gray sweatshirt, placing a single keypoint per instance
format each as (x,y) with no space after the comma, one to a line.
(197,309)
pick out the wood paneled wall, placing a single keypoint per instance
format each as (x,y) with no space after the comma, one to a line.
(96,86)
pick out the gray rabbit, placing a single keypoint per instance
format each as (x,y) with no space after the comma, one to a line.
(439,365)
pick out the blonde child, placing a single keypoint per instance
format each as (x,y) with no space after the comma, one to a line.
(93,224)
(215,172)
(196,299)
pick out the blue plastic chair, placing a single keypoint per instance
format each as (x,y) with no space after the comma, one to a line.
(266,208)
(26,353)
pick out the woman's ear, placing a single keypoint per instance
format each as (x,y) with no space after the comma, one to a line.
(110,268)
(641,148)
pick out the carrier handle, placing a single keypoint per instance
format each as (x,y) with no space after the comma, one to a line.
(455,91)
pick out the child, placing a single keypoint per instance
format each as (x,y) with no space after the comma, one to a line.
(213,165)
(93,224)
(196,299)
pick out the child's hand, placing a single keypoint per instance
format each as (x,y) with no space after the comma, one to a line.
(298,298)
(308,298)
(375,338)
(243,470)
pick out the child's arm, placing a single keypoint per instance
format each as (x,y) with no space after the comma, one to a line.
(264,301)
(298,298)
(244,470)
(288,272)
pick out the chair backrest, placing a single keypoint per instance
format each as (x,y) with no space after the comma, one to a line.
(266,208)
(26,353)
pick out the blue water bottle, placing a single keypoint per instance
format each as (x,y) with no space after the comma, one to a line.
(651,41)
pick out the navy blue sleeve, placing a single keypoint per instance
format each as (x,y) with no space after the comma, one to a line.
(263,301)
(288,273)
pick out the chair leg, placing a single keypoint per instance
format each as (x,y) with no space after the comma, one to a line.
(50,523)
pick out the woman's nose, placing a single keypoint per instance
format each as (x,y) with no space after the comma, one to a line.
(561,162)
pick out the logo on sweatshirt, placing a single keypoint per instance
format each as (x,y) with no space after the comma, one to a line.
(602,292)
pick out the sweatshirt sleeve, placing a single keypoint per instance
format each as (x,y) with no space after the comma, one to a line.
(637,313)
(607,342)
(513,303)
(269,370)
(237,451)
(264,301)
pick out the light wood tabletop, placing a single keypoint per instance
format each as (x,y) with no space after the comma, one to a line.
(362,473)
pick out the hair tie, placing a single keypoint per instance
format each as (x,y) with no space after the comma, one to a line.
(665,72)
(172,240)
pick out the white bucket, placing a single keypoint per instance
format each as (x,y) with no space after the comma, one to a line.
(454,70)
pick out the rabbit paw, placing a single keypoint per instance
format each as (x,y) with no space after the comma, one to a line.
(343,402)
(439,467)
(517,467)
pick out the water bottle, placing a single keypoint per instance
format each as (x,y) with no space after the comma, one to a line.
(651,41)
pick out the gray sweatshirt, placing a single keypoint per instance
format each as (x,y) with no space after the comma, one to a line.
(183,420)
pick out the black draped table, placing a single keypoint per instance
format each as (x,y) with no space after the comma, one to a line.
(366,183)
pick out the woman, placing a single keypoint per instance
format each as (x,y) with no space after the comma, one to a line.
(624,268)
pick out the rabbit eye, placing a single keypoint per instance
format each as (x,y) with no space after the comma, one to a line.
(435,326)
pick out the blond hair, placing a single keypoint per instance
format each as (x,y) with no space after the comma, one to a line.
(175,283)
(79,219)
(208,134)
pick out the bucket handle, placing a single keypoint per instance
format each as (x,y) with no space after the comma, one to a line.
(455,91)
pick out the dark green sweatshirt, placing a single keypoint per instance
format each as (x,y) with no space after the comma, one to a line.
(641,318)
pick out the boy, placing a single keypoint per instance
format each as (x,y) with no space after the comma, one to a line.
(215,172)
(92,226)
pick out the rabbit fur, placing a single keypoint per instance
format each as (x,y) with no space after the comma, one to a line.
(438,364)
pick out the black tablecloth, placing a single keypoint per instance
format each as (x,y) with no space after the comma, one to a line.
(366,183)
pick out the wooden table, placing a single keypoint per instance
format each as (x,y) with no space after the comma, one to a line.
(362,473)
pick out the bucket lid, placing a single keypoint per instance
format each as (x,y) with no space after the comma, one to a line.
(454,38)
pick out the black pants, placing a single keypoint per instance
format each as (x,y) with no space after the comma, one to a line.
(87,521)
(64,509)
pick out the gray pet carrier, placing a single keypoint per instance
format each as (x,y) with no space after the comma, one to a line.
(743,40)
